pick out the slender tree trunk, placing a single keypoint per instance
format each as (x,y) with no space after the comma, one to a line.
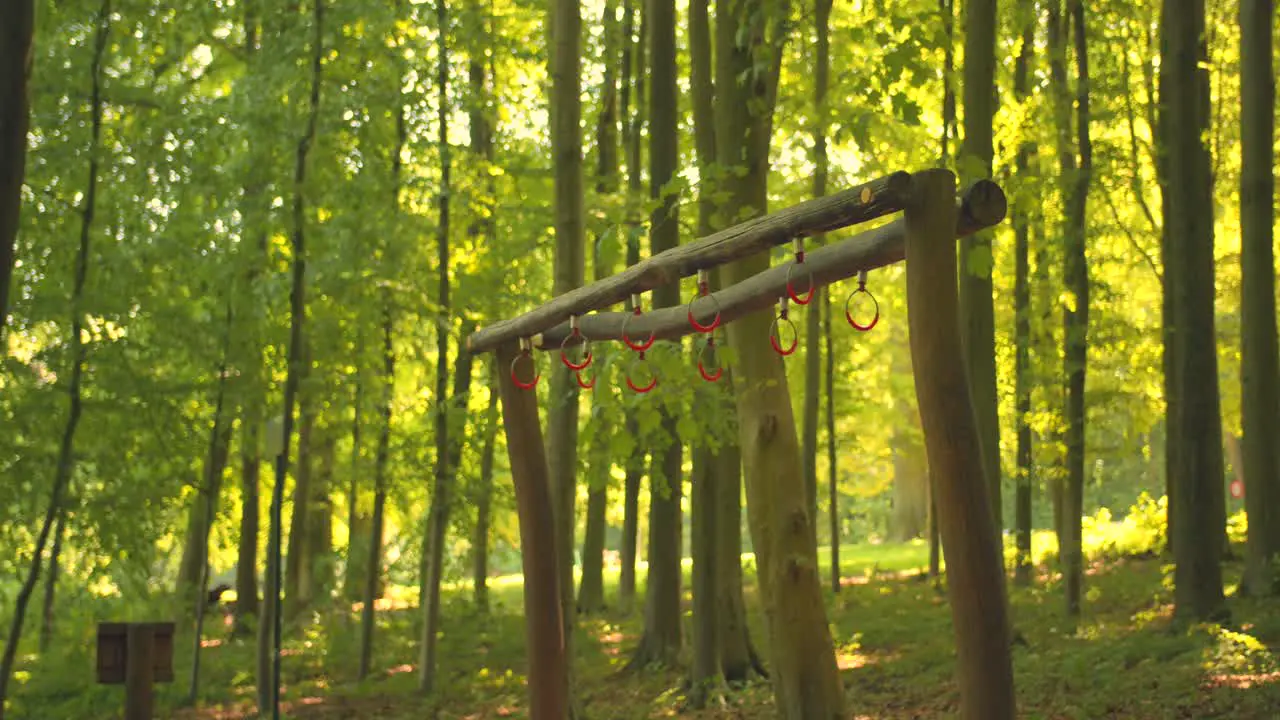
(297,570)
(215,466)
(977,310)
(357,550)
(272,622)
(633,73)
(813,318)
(51,583)
(1260,358)
(442,494)
(252,408)
(484,498)
(662,637)
(373,566)
(66,455)
(833,482)
(569,267)
(1197,426)
(16,40)
(738,657)
(706,678)
(1023,215)
(319,543)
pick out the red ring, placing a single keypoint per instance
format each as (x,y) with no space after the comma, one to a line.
(702,370)
(577,374)
(849,315)
(586,359)
(652,383)
(775,341)
(637,347)
(515,379)
(791,291)
(693,322)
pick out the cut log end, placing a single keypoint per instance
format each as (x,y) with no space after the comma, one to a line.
(985,204)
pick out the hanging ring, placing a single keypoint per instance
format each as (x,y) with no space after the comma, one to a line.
(848,313)
(638,347)
(702,370)
(575,333)
(577,375)
(704,290)
(791,291)
(653,382)
(775,338)
(525,351)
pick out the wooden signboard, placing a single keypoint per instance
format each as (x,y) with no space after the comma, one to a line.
(137,655)
(113,646)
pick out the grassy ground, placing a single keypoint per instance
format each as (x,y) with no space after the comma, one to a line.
(1125,659)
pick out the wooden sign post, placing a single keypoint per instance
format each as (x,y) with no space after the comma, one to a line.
(136,655)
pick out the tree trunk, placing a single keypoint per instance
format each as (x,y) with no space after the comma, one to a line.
(805,678)
(562,419)
(297,570)
(977,310)
(545,635)
(1259,357)
(357,534)
(16,40)
(484,498)
(1023,215)
(910,485)
(66,451)
(272,622)
(633,64)
(833,483)
(738,657)
(1197,424)
(970,536)
(373,566)
(813,318)
(706,678)
(51,584)
(441,505)
(662,638)
(319,543)
(591,588)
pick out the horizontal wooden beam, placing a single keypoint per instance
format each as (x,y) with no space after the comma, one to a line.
(872,200)
(982,205)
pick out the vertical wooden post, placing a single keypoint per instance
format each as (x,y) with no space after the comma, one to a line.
(548,666)
(139,672)
(970,541)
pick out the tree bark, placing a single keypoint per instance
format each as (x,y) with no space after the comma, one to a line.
(805,678)
(971,539)
(1023,216)
(296,356)
(562,419)
(633,64)
(833,477)
(373,566)
(738,656)
(66,451)
(16,41)
(813,318)
(706,679)
(484,498)
(47,616)
(1259,356)
(977,310)
(1198,501)
(662,637)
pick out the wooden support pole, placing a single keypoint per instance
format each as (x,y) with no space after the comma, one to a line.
(139,672)
(970,540)
(548,677)
(872,200)
(984,204)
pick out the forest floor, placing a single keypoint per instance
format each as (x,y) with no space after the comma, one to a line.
(1124,659)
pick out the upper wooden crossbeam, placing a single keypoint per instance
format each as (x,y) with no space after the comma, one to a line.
(982,205)
(874,199)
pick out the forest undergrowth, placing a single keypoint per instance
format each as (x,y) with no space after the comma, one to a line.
(1126,658)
